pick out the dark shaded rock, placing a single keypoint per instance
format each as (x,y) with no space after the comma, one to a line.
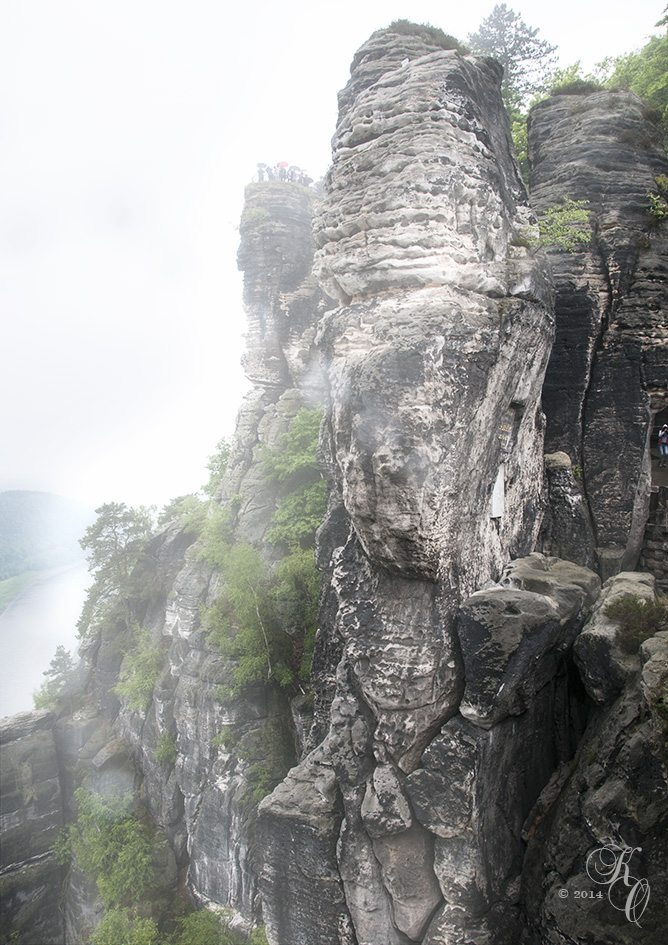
(514,635)
(604,667)
(566,531)
(298,830)
(30,820)
(610,357)
(474,791)
(615,798)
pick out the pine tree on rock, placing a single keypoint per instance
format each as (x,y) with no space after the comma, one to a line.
(527,61)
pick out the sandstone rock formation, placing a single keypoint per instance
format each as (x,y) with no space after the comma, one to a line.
(434,362)
(608,371)
(467,744)
(614,799)
(32,816)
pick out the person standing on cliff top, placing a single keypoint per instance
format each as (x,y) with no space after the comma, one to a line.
(663,445)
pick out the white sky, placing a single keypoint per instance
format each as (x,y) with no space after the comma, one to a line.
(128,130)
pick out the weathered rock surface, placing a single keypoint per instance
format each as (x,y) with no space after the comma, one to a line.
(615,799)
(604,667)
(432,449)
(448,708)
(609,364)
(514,635)
(30,820)
(520,717)
(566,531)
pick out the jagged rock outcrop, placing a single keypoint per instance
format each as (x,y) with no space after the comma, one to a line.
(462,715)
(203,799)
(434,362)
(609,366)
(614,798)
(31,819)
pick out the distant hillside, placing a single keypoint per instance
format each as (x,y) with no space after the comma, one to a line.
(39,530)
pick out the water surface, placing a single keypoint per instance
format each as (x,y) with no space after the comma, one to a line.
(42,617)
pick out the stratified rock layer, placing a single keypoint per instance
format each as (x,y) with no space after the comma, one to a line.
(32,817)
(609,367)
(597,859)
(432,449)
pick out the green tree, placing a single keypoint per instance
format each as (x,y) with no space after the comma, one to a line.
(112,846)
(242,620)
(188,510)
(646,73)
(638,620)
(124,927)
(115,545)
(266,619)
(527,61)
(58,675)
(294,465)
(217,465)
(204,928)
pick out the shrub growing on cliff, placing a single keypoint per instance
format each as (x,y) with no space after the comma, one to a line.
(217,465)
(165,751)
(140,671)
(638,620)
(267,620)
(246,625)
(566,227)
(294,466)
(126,927)
(646,73)
(430,34)
(188,510)
(58,675)
(112,846)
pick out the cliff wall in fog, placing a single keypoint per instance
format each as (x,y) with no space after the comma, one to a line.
(472,729)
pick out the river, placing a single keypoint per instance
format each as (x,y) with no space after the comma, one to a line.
(42,617)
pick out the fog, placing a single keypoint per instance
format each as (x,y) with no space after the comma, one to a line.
(129,131)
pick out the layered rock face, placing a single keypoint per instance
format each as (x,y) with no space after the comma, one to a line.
(203,800)
(609,366)
(32,817)
(596,860)
(472,745)
(434,362)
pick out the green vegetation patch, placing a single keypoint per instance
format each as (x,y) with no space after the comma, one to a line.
(566,227)
(140,671)
(165,751)
(638,620)
(428,33)
(58,675)
(112,845)
(115,544)
(576,87)
(264,619)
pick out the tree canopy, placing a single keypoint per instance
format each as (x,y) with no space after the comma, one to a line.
(646,73)
(114,544)
(527,60)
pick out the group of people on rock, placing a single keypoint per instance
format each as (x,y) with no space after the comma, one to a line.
(289,173)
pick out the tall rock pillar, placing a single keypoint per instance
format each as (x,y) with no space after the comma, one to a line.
(608,372)
(434,362)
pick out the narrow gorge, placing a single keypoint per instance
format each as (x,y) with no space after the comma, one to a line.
(473,728)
